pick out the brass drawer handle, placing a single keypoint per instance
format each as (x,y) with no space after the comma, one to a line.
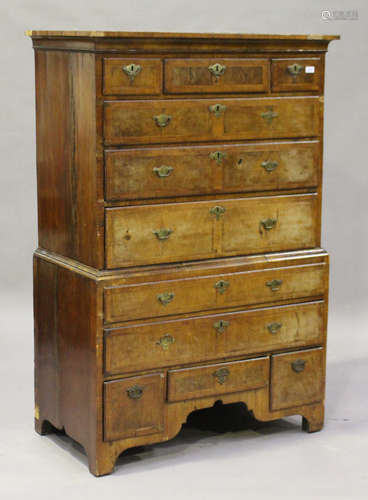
(269,166)
(221,375)
(163,171)
(295,69)
(217,69)
(217,211)
(165,298)
(165,341)
(274,285)
(222,286)
(132,70)
(298,365)
(135,392)
(268,224)
(162,120)
(221,325)
(162,234)
(218,156)
(274,327)
(269,115)
(217,109)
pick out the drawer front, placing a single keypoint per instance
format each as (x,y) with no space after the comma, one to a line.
(151,173)
(148,122)
(164,298)
(204,381)
(297,378)
(289,75)
(133,406)
(152,234)
(191,340)
(132,76)
(216,75)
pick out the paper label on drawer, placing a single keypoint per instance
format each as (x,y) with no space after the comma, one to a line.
(309,69)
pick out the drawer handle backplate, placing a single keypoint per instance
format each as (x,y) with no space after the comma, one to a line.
(298,365)
(221,375)
(268,224)
(218,156)
(162,234)
(269,115)
(163,171)
(217,109)
(274,327)
(295,69)
(217,69)
(222,286)
(221,325)
(269,166)
(165,298)
(132,70)
(165,341)
(135,392)
(217,211)
(162,120)
(274,285)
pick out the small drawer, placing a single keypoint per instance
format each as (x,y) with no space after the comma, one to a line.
(197,170)
(134,406)
(289,75)
(297,378)
(216,75)
(188,295)
(213,380)
(132,76)
(202,338)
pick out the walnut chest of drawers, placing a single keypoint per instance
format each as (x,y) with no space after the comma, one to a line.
(179,214)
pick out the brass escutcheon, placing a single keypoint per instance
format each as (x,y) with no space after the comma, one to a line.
(222,286)
(298,365)
(163,171)
(274,327)
(268,224)
(165,341)
(217,69)
(217,211)
(274,285)
(217,109)
(269,166)
(165,298)
(162,120)
(132,70)
(221,325)
(221,375)
(162,234)
(135,392)
(218,156)
(269,115)
(295,69)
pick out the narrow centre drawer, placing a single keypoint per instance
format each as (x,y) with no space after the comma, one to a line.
(203,381)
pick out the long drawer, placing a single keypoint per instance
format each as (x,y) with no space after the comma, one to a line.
(166,121)
(190,340)
(152,234)
(197,170)
(188,295)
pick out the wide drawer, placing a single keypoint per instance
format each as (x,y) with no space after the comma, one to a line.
(190,340)
(216,75)
(289,75)
(152,234)
(134,406)
(132,76)
(197,170)
(165,121)
(162,298)
(297,378)
(204,381)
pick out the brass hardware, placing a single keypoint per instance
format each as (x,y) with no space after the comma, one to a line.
(135,392)
(268,224)
(222,286)
(217,69)
(274,327)
(217,211)
(217,109)
(132,70)
(295,69)
(274,285)
(162,234)
(220,326)
(298,365)
(218,156)
(269,115)
(221,375)
(163,171)
(162,120)
(37,412)
(165,298)
(269,166)
(165,341)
